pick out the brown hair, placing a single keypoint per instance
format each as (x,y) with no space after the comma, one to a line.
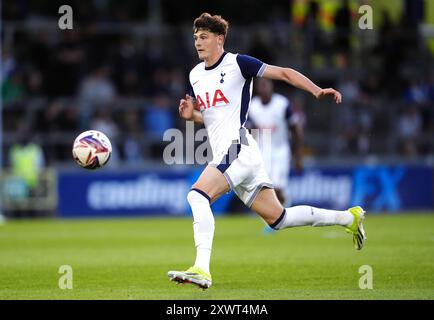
(215,24)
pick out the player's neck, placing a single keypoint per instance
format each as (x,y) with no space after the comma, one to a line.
(265,99)
(212,60)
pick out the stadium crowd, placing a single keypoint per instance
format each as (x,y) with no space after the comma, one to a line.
(127,83)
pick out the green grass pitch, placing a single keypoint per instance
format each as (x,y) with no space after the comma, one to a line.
(129,259)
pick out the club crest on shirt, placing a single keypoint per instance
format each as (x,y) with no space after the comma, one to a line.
(222,75)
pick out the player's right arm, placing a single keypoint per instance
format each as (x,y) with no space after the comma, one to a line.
(188,111)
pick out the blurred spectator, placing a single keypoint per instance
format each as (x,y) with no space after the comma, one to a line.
(370,86)
(428,112)
(260,48)
(48,118)
(129,86)
(96,90)
(350,89)
(417,92)
(13,88)
(315,40)
(158,116)
(97,46)
(126,66)
(14,10)
(103,122)
(8,63)
(132,135)
(414,9)
(39,50)
(390,49)
(160,81)
(354,130)
(26,158)
(364,132)
(48,121)
(354,119)
(132,150)
(279,23)
(35,83)
(27,162)
(431,87)
(153,62)
(176,87)
(125,57)
(69,117)
(59,117)
(409,128)
(67,66)
(342,36)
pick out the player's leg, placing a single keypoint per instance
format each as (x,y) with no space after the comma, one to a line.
(278,170)
(269,208)
(212,182)
(280,194)
(267,205)
(281,197)
(208,188)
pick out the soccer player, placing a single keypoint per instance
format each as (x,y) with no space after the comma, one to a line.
(221,88)
(272,114)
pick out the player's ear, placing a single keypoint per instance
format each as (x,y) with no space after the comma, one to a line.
(221,39)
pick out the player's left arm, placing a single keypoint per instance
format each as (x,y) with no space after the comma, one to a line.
(300,81)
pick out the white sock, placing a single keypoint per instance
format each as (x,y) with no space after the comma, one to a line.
(310,216)
(203,227)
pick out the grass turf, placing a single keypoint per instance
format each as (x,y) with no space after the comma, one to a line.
(129,259)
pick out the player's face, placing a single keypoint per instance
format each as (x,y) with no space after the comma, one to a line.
(207,44)
(264,87)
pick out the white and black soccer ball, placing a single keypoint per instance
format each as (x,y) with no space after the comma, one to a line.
(92,149)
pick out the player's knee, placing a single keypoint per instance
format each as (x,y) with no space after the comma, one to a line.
(280,196)
(275,222)
(197,195)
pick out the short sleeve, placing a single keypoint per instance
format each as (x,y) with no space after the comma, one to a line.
(190,90)
(288,112)
(250,67)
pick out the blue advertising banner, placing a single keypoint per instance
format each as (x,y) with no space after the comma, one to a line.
(91,193)
(393,188)
(376,188)
(112,194)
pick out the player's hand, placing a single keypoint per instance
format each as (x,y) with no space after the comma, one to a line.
(186,108)
(330,92)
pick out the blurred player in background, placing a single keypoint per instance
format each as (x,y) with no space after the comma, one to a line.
(272,111)
(221,90)
(273,115)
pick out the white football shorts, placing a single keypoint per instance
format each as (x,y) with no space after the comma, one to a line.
(277,164)
(244,169)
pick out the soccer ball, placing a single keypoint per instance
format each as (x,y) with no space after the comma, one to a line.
(91,149)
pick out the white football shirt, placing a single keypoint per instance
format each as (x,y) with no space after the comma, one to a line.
(223,93)
(275,116)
